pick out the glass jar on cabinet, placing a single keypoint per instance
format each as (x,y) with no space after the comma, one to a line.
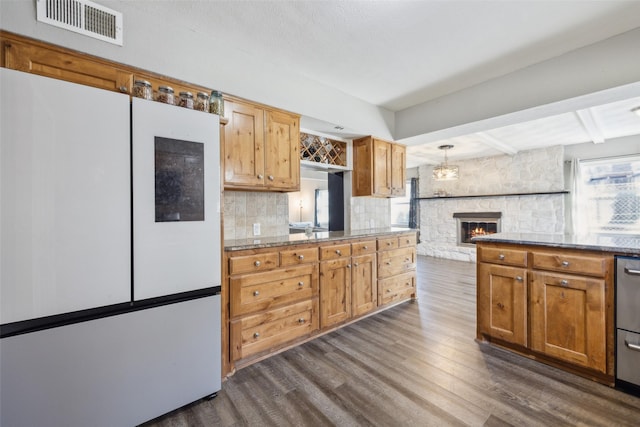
(165,95)
(186,100)
(216,103)
(142,89)
(202,102)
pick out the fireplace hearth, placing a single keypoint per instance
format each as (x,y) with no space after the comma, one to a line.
(472,224)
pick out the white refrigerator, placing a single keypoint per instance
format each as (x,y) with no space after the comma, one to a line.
(109,255)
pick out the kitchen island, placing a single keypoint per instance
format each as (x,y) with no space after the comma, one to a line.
(551,297)
(281,291)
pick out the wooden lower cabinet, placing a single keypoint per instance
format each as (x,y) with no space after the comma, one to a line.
(278,297)
(502,302)
(568,319)
(269,329)
(551,304)
(335,292)
(364,285)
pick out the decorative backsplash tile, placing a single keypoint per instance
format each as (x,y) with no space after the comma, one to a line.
(242,209)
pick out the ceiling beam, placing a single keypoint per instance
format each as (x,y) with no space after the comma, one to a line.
(496,143)
(589,124)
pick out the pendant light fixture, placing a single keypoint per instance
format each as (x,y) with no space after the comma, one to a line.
(445,171)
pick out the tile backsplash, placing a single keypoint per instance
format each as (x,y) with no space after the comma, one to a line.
(242,209)
(370,212)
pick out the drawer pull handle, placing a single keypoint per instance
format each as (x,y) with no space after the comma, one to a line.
(635,347)
(256,335)
(301,320)
(301,284)
(388,290)
(519,278)
(300,257)
(388,262)
(631,271)
(355,264)
(365,247)
(388,243)
(256,293)
(564,282)
(260,176)
(270,177)
(257,263)
(565,263)
(123,89)
(501,256)
(348,265)
(338,251)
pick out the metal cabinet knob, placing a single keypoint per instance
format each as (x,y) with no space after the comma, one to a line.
(300,257)
(348,265)
(260,176)
(301,320)
(301,284)
(564,282)
(565,263)
(338,251)
(256,293)
(270,177)
(388,243)
(256,335)
(388,262)
(519,278)
(257,263)
(388,290)
(501,257)
(355,264)
(123,89)
(365,247)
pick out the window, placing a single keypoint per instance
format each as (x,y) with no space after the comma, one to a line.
(608,195)
(400,207)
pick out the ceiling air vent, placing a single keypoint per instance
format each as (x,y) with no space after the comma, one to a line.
(84,17)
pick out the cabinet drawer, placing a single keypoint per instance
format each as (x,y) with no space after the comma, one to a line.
(396,261)
(387,243)
(407,241)
(262,291)
(578,264)
(298,256)
(273,328)
(251,263)
(363,248)
(514,257)
(335,251)
(396,288)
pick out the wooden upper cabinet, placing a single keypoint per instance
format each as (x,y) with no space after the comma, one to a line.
(46,60)
(379,168)
(282,158)
(261,148)
(398,170)
(243,145)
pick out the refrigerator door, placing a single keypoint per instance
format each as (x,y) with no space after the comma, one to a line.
(115,371)
(176,199)
(65,210)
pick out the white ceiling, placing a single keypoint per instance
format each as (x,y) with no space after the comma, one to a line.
(397,54)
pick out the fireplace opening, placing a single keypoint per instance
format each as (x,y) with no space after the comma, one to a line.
(472,224)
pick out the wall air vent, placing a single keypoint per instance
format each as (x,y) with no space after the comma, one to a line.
(84,17)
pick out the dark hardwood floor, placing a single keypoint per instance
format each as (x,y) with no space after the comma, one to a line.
(416,364)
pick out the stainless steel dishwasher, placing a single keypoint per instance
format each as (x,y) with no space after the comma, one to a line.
(628,323)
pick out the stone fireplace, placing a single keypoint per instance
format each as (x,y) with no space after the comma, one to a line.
(472,224)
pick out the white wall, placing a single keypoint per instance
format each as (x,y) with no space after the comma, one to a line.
(526,172)
(158,37)
(307,194)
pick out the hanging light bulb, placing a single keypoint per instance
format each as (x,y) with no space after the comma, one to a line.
(445,171)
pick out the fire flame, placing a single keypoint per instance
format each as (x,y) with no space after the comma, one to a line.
(478,231)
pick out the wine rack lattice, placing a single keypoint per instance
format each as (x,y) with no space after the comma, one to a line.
(319,149)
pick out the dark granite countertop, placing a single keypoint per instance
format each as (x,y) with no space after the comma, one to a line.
(622,244)
(299,238)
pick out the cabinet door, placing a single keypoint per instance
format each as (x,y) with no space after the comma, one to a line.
(502,303)
(335,291)
(398,170)
(48,62)
(568,318)
(381,167)
(243,146)
(282,158)
(364,287)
